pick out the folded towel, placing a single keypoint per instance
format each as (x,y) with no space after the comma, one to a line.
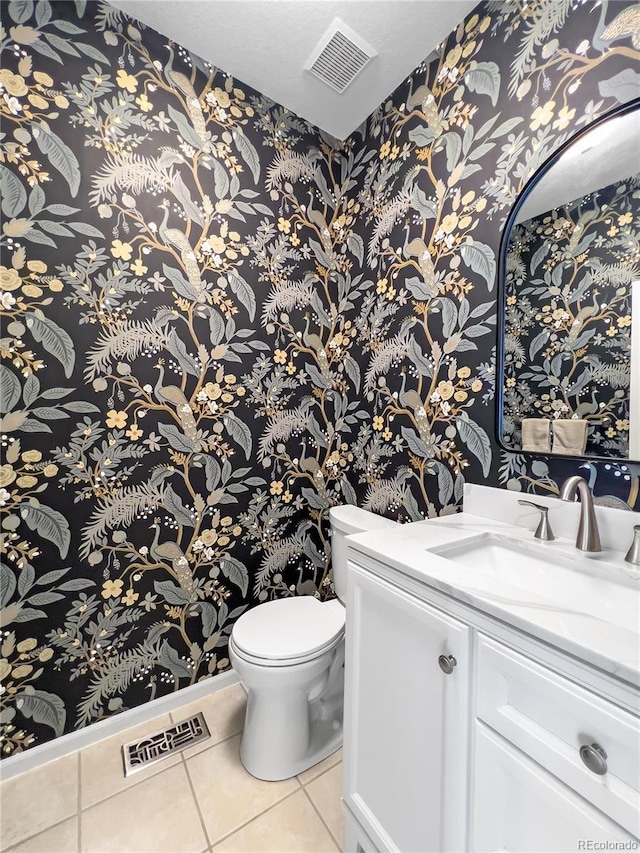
(536,435)
(569,436)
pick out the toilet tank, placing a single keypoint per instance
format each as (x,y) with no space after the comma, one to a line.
(346,520)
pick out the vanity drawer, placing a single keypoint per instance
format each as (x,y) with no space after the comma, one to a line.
(550,718)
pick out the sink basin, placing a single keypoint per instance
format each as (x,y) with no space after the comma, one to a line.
(570,582)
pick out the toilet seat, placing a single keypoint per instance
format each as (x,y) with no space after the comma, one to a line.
(288,630)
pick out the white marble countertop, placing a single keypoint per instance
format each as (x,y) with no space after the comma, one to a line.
(592,632)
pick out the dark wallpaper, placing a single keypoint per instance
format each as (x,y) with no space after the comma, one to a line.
(568,316)
(218,322)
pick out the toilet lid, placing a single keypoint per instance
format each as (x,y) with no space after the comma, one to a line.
(289,628)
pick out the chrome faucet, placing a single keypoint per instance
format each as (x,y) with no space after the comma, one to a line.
(588,538)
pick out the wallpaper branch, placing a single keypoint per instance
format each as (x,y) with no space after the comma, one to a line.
(218,322)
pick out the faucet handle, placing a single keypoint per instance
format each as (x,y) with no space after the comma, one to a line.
(543,530)
(633,554)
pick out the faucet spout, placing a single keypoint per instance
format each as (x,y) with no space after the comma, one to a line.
(588,538)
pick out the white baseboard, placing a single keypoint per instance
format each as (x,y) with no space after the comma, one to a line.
(73,741)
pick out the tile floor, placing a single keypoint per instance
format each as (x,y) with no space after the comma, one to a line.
(199,800)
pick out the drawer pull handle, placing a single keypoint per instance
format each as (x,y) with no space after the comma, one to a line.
(595,758)
(447,663)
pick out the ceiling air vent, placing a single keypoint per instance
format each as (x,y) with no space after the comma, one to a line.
(339,56)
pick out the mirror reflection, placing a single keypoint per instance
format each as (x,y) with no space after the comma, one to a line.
(571,345)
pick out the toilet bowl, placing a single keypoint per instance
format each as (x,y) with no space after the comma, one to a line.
(289,654)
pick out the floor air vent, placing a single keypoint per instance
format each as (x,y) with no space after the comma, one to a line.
(339,56)
(150,750)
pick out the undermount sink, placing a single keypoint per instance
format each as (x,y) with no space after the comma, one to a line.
(571,582)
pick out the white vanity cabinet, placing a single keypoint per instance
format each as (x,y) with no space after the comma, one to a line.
(405,719)
(518,748)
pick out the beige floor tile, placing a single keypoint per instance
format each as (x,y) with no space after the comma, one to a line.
(325,791)
(102,771)
(290,827)
(62,838)
(223,711)
(229,796)
(318,769)
(158,815)
(38,799)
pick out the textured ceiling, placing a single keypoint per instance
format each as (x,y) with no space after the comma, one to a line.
(266,43)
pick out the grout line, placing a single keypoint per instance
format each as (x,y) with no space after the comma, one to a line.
(17,847)
(160,768)
(123,738)
(180,755)
(322,773)
(255,817)
(185,759)
(195,800)
(211,745)
(322,820)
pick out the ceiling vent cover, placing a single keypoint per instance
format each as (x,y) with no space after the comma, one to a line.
(339,56)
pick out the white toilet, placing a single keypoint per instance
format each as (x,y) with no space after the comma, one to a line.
(289,654)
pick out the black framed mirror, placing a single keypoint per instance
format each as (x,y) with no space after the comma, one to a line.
(568,367)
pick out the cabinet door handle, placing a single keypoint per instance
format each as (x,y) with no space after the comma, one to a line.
(447,663)
(594,758)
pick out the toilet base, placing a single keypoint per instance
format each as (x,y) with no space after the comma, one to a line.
(324,742)
(325,738)
(280,739)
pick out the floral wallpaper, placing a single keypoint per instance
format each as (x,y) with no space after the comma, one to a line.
(217,322)
(568,316)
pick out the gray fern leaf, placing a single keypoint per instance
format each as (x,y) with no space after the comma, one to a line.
(384,495)
(290,166)
(391,351)
(114,680)
(385,223)
(514,347)
(120,511)
(131,172)
(108,18)
(281,427)
(615,274)
(286,297)
(611,375)
(516,265)
(124,342)
(280,554)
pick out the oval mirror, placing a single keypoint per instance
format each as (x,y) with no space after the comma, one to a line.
(569,300)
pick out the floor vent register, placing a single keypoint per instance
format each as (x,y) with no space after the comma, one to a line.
(151,749)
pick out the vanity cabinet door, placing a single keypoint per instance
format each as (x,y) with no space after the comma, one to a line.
(518,806)
(405,719)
